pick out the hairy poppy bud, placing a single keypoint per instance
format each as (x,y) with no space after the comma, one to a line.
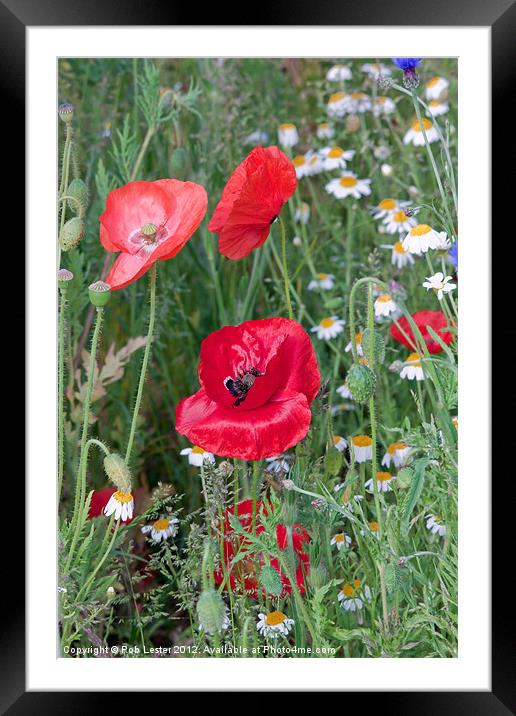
(361,382)
(353,123)
(379,345)
(333,461)
(118,472)
(318,576)
(271,581)
(179,163)
(63,278)
(99,293)
(65,111)
(78,193)
(392,577)
(71,234)
(404,478)
(211,611)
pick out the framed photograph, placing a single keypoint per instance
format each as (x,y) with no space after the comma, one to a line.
(244,387)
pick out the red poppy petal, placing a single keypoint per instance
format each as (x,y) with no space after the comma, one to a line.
(436,319)
(105,241)
(191,204)
(130,207)
(238,240)
(247,435)
(126,269)
(229,196)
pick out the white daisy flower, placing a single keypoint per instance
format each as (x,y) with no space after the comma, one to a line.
(435,524)
(400,258)
(422,237)
(373,69)
(277,464)
(359,102)
(325,281)
(325,131)
(439,283)
(341,540)
(362,448)
(301,165)
(256,138)
(344,391)
(412,369)
(373,528)
(382,481)
(436,108)
(302,214)
(337,104)
(435,87)
(444,244)
(315,164)
(415,134)
(162,529)
(386,170)
(384,305)
(348,185)
(346,499)
(339,442)
(352,596)
(288,135)
(396,454)
(121,504)
(358,345)
(198,456)
(273,624)
(383,105)
(398,222)
(338,73)
(335,157)
(388,206)
(329,328)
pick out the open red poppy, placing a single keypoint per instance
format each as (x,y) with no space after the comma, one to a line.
(251,200)
(257,382)
(435,319)
(149,221)
(244,574)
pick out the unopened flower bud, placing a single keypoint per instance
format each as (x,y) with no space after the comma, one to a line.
(63,278)
(387,170)
(211,611)
(361,382)
(100,293)
(297,241)
(353,123)
(226,468)
(65,111)
(118,472)
(110,592)
(78,193)
(271,580)
(288,484)
(384,82)
(71,234)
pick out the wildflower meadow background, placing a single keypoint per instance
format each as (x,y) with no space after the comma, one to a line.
(257,407)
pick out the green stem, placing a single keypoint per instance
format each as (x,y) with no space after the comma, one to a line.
(256,477)
(145,361)
(284,267)
(60,406)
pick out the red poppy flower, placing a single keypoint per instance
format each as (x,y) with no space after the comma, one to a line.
(245,572)
(251,200)
(257,382)
(149,221)
(435,319)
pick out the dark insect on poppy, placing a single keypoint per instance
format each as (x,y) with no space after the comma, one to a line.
(239,387)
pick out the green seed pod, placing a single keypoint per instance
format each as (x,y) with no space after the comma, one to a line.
(362,382)
(392,577)
(71,234)
(319,575)
(211,611)
(404,478)
(118,472)
(333,461)
(179,163)
(65,111)
(78,193)
(63,278)
(99,293)
(379,346)
(271,580)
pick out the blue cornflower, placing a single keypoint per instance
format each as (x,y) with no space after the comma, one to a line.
(453,253)
(407,63)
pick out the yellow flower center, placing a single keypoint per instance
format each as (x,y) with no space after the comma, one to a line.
(383,476)
(337,97)
(337,439)
(161,525)
(438,519)
(419,126)
(327,322)
(398,248)
(435,103)
(357,95)
(433,81)
(198,450)
(420,229)
(347,590)
(321,276)
(324,125)
(358,339)
(362,441)
(335,152)
(400,217)
(339,537)
(414,358)
(348,181)
(395,446)
(381,100)
(275,618)
(299,160)
(287,126)
(357,583)
(123,496)
(384,298)
(373,526)
(387,204)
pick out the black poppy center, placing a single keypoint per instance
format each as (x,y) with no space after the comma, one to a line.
(240,385)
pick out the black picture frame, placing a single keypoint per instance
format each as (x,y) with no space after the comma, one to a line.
(500,16)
